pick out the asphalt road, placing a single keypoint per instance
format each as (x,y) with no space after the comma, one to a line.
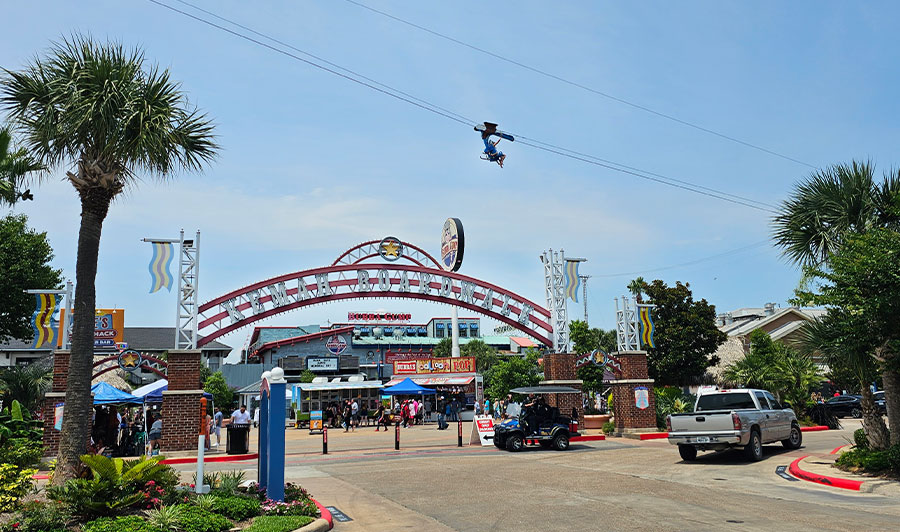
(616,484)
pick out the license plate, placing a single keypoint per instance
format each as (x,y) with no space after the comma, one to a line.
(702,439)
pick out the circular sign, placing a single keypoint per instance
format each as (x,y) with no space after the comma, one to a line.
(390,248)
(453,244)
(335,344)
(130,360)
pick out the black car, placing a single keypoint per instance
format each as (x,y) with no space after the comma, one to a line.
(845,405)
(880,405)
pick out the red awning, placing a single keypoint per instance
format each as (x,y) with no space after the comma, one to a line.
(522,342)
(433,381)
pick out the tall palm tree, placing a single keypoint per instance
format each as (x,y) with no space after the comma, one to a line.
(636,287)
(15,165)
(102,112)
(830,206)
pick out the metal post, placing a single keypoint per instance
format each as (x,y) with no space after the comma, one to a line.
(454,322)
(195,306)
(584,280)
(178,296)
(459,432)
(397,437)
(199,486)
(324,438)
(277,407)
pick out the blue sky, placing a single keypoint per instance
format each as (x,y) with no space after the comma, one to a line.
(312,164)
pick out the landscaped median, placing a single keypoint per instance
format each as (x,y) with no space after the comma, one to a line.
(803,472)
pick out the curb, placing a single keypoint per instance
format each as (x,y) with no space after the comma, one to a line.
(817,428)
(319,525)
(588,437)
(227,458)
(653,435)
(834,482)
(326,515)
(837,449)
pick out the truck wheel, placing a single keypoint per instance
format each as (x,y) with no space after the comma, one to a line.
(561,442)
(856,413)
(688,452)
(515,443)
(753,450)
(795,439)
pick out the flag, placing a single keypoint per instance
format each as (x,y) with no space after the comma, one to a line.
(646,326)
(45,327)
(159,266)
(573,282)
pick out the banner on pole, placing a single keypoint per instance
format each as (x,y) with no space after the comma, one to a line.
(45,327)
(646,326)
(160,275)
(573,282)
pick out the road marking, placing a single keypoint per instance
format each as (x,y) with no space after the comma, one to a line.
(780,470)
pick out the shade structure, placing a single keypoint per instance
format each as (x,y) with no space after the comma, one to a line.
(407,387)
(149,388)
(106,394)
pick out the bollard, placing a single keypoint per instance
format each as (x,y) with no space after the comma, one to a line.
(459,434)
(397,437)
(324,439)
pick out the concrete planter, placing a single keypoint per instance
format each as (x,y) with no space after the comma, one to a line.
(596,421)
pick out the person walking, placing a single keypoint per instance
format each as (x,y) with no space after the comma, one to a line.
(217,426)
(354,414)
(440,413)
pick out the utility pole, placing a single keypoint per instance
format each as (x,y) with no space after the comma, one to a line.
(584,280)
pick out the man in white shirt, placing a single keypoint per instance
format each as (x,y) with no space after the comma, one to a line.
(241,416)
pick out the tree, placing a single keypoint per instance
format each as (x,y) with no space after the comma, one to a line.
(15,165)
(99,109)
(25,257)
(685,334)
(826,210)
(586,340)
(514,372)
(27,384)
(485,355)
(636,287)
(223,395)
(307,376)
(443,349)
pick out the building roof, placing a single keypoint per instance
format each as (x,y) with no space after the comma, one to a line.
(522,342)
(424,340)
(262,335)
(259,347)
(743,327)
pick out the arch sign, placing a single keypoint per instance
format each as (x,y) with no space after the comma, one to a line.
(351,276)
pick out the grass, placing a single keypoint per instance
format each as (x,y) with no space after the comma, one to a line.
(278,523)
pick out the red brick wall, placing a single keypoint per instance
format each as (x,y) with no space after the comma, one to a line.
(181,421)
(634,365)
(60,371)
(184,369)
(559,367)
(629,416)
(51,435)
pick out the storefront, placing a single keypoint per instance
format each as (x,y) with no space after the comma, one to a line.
(307,397)
(449,377)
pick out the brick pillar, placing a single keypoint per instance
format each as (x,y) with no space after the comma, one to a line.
(181,402)
(56,395)
(629,418)
(559,370)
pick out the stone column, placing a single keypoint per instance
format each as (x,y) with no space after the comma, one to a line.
(559,370)
(56,395)
(629,418)
(181,402)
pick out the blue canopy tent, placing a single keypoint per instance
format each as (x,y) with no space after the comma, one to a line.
(106,394)
(407,387)
(156,395)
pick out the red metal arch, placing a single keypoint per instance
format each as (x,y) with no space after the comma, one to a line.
(434,261)
(110,358)
(540,318)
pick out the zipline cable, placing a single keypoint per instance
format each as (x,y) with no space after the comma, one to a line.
(689,263)
(582,86)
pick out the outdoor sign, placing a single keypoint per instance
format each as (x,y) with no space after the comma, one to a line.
(428,366)
(482,430)
(641,397)
(130,360)
(58,415)
(109,328)
(335,344)
(315,420)
(322,363)
(390,248)
(379,316)
(453,244)
(390,356)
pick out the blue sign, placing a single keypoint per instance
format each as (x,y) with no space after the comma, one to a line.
(641,397)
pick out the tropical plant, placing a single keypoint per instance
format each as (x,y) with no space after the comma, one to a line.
(40,516)
(485,355)
(15,483)
(298,507)
(15,165)
(671,400)
(101,110)
(236,508)
(26,385)
(123,523)
(443,349)
(636,287)
(206,502)
(229,482)
(20,436)
(833,206)
(196,519)
(165,518)
(277,523)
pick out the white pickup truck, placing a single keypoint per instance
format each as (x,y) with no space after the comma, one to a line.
(734,418)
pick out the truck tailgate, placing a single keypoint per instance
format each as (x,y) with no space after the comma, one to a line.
(702,423)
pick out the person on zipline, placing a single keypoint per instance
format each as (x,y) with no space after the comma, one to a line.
(490,149)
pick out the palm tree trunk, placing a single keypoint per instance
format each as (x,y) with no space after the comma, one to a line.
(891,381)
(873,424)
(76,426)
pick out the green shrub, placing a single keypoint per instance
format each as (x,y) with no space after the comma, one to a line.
(299,507)
(278,523)
(37,516)
(229,482)
(23,452)
(126,523)
(295,492)
(95,497)
(609,427)
(15,483)
(196,519)
(165,518)
(860,439)
(236,508)
(894,458)
(871,461)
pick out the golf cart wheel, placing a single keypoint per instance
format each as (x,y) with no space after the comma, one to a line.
(499,443)
(795,439)
(515,443)
(561,442)
(688,452)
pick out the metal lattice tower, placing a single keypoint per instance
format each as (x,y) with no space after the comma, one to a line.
(188,277)
(627,329)
(584,280)
(555,291)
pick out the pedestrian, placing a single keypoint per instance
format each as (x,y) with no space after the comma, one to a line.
(354,414)
(477,408)
(207,441)
(347,416)
(379,418)
(217,426)
(487,406)
(155,433)
(240,416)
(428,407)
(404,413)
(413,410)
(441,406)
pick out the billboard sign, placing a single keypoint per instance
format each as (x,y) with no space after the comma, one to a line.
(109,328)
(430,366)
(453,244)
(335,344)
(322,363)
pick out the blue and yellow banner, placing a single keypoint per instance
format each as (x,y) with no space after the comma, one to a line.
(159,266)
(46,329)
(646,326)
(573,282)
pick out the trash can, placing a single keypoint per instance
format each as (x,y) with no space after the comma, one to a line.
(237,440)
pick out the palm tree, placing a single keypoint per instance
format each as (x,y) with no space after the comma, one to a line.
(26,384)
(15,165)
(98,109)
(636,287)
(832,205)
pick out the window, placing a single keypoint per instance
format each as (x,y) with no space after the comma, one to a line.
(725,401)
(763,403)
(839,399)
(463,333)
(439,333)
(774,402)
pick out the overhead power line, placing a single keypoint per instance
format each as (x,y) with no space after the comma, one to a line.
(382,88)
(582,86)
(717,256)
